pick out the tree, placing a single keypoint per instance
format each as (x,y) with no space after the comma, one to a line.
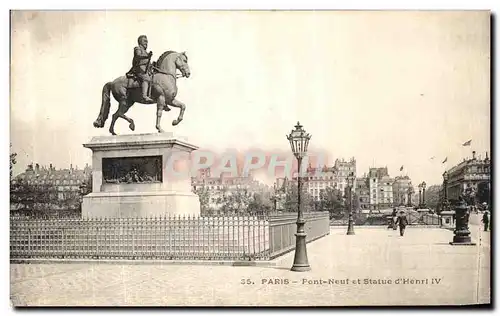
(205,196)
(470,195)
(432,197)
(45,200)
(483,192)
(234,201)
(87,185)
(260,203)
(12,160)
(331,200)
(291,199)
(356,205)
(31,199)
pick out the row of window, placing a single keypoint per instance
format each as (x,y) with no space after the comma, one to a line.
(57,182)
(321,178)
(323,184)
(51,177)
(478,169)
(348,168)
(221,187)
(52,188)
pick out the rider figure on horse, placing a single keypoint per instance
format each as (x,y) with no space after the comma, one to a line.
(141,65)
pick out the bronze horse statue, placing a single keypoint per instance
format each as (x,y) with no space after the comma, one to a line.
(163,92)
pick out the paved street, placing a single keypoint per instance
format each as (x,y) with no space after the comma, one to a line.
(378,255)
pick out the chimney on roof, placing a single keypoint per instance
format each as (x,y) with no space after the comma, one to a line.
(474,155)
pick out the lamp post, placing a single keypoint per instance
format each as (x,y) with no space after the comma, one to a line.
(445,187)
(350,226)
(423,194)
(410,192)
(419,195)
(275,199)
(83,190)
(299,140)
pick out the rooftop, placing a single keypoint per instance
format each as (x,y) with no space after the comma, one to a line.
(470,161)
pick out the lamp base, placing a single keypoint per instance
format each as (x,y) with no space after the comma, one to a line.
(300,268)
(462,243)
(300,261)
(350,228)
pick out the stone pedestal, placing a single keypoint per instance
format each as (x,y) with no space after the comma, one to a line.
(141,175)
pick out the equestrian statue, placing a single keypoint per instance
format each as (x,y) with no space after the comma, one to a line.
(145,83)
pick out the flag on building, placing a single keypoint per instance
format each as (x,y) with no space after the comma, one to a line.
(467,143)
(445,160)
(401,169)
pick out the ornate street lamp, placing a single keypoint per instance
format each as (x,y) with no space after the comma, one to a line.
(446,203)
(299,140)
(420,195)
(350,183)
(410,192)
(423,194)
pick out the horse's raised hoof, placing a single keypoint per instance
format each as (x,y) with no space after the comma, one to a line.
(166,108)
(132,126)
(97,124)
(177,121)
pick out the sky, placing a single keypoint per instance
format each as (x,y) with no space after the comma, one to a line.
(389,88)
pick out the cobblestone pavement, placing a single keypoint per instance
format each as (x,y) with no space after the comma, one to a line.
(376,255)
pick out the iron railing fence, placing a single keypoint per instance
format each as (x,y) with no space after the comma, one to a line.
(424,219)
(282,231)
(165,238)
(414,218)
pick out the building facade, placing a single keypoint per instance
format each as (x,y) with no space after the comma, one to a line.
(318,179)
(315,182)
(363,192)
(380,186)
(221,187)
(471,174)
(44,189)
(345,168)
(386,196)
(400,189)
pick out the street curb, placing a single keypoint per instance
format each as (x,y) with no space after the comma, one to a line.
(385,227)
(267,263)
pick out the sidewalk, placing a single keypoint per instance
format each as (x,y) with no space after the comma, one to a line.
(374,255)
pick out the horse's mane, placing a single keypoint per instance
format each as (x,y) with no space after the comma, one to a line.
(163,56)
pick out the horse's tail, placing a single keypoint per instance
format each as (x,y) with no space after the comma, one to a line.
(105,106)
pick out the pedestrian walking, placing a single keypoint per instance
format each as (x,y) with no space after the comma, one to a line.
(394,218)
(485,220)
(403,222)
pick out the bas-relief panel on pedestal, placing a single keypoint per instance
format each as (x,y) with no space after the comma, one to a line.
(147,169)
